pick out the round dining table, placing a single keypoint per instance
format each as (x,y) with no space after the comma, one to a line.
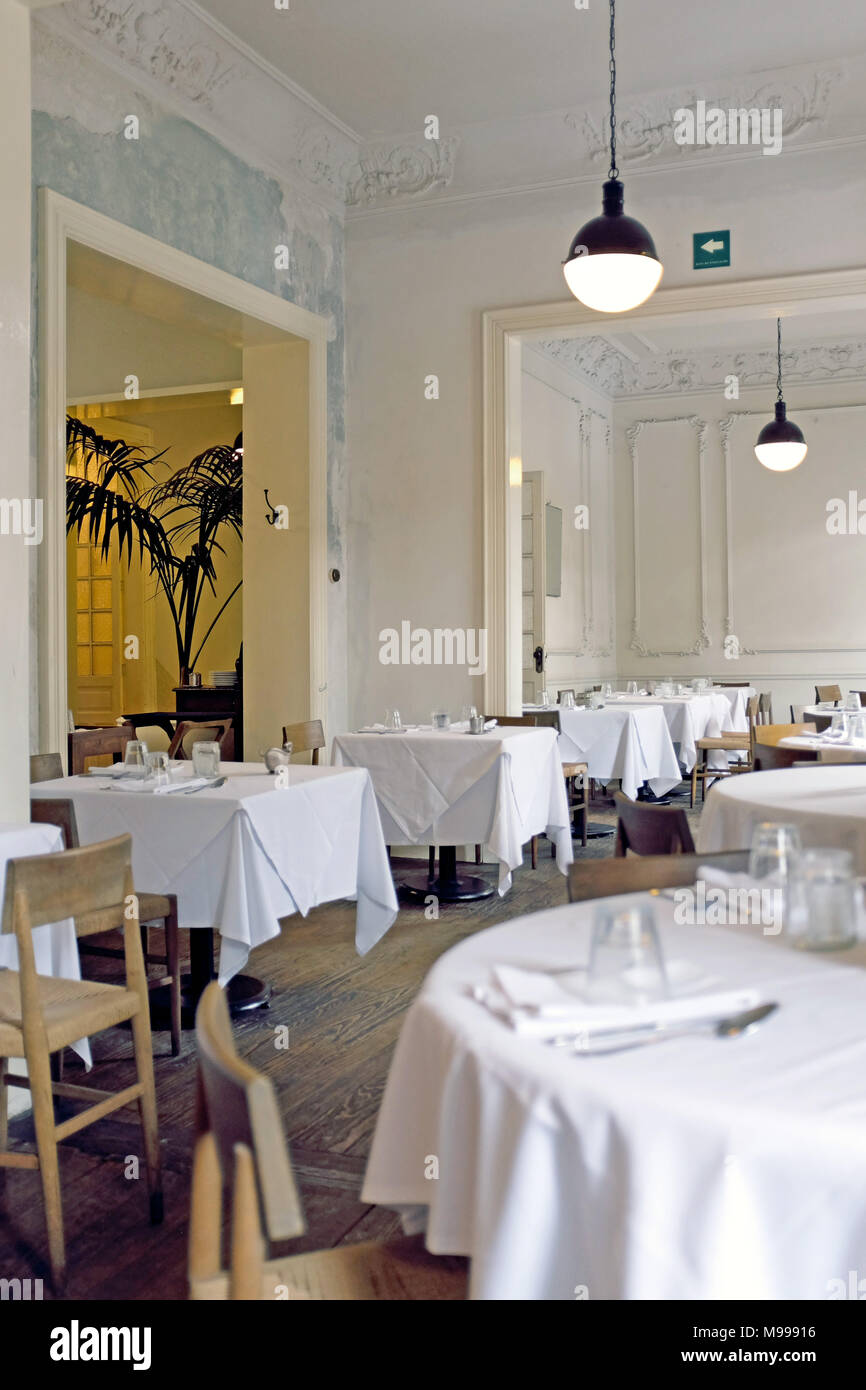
(699,1168)
(827,802)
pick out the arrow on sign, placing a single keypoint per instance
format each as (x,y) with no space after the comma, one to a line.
(712,246)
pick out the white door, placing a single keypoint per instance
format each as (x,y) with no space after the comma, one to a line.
(533,563)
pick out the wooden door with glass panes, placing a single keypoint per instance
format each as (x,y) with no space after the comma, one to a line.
(96,695)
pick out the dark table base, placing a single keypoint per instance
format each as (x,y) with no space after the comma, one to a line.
(447,885)
(243,992)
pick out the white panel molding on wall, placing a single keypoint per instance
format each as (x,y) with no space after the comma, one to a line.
(732,627)
(702,637)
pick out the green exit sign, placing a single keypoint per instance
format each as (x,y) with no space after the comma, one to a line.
(711,249)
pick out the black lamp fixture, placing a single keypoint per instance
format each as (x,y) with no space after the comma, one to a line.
(238,446)
(612,264)
(780,445)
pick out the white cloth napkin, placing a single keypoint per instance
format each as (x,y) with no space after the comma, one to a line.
(140,784)
(539,1005)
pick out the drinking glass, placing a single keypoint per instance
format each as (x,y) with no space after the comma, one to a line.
(774,850)
(857,728)
(157,769)
(853,701)
(625,954)
(206,758)
(440,719)
(823,900)
(839,726)
(631,688)
(469,712)
(545,699)
(135,756)
(567,701)
(392,719)
(606,689)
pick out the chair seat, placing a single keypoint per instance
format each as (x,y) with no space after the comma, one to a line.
(574,769)
(392,1271)
(733,742)
(71,1008)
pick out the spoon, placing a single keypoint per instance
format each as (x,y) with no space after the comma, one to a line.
(735,1026)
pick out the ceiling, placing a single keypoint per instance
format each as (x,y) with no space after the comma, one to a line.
(383,65)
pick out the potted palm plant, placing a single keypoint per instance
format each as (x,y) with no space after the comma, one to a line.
(177,523)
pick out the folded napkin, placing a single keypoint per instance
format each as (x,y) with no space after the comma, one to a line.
(140,784)
(538,1005)
(115,770)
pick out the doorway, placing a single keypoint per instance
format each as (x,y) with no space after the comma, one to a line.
(278,352)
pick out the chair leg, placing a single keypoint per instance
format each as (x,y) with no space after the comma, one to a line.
(584,817)
(172,954)
(147,1110)
(477,854)
(4,1108)
(694,785)
(431,861)
(39,1070)
(533,849)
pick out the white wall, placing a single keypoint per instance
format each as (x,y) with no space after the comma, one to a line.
(566,435)
(16,473)
(418,280)
(772,575)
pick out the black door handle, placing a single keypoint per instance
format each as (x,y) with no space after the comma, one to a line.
(539,659)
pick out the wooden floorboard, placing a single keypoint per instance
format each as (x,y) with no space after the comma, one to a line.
(343,1014)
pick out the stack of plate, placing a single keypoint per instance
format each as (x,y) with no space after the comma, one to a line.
(222,678)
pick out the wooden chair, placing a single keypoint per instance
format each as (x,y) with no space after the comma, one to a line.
(307,737)
(212,730)
(606,878)
(85,744)
(765,707)
(240,1142)
(729,742)
(40,1015)
(153,908)
(817,720)
(560,693)
(798,714)
(827,692)
(647,829)
(734,685)
(45,767)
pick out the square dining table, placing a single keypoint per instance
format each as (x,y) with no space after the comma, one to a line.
(449,787)
(243,855)
(632,745)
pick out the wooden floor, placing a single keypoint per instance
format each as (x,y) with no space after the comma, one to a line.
(343,1015)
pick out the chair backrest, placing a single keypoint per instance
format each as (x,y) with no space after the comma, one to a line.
(239,1106)
(765,707)
(189,732)
(306,737)
(734,685)
(517,721)
(828,692)
(647,829)
(817,720)
(56,810)
(244,1280)
(605,878)
(798,714)
(774,733)
(769,756)
(98,743)
(547,719)
(560,693)
(45,767)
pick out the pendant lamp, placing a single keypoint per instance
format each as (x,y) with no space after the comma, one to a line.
(780,445)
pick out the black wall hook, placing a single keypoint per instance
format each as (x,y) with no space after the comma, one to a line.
(274,515)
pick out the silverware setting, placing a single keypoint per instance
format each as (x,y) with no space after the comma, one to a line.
(625,1039)
(208,786)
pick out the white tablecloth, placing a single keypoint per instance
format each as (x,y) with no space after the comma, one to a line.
(738,697)
(55,947)
(632,744)
(453,788)
(699,1168)
(691,717)
(241,856)
(828,751)
(827,803)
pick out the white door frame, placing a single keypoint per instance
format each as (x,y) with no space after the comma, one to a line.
(502,333)
(62,220)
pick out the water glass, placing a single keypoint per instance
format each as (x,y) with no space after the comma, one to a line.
(392,719)
(857,728)
(470,712)
(853,701)
(440,719)
(206,758)
(567,699)
(774,850)
(135,756)
(606,689)
(839,726)
(823,901)
(625,955)
(631,688)
(157,769)
(545,699)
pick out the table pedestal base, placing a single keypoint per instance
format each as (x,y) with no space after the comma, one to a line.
(243,992)
(447,886)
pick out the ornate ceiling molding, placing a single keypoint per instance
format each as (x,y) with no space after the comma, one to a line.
(599,364)
(646,131)
(385,171)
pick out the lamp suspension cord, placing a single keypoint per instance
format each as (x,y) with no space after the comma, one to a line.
(779,359)
(613,172)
